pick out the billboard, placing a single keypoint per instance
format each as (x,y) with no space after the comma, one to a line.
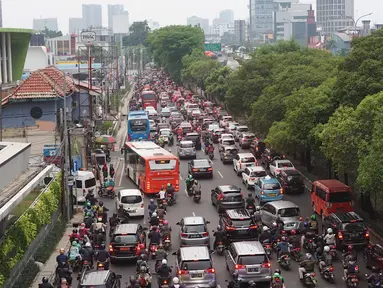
(214,47)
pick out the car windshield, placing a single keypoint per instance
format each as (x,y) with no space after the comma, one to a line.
(196,265)
(339,197)
(192,137)
(355,226)
(294,178)
(249,136)
(194,228)
(231,151)
(201,163)
(90,182)
(271,186)
(228,142)
(243,129)
(247,159)
(289,212)
(258,174)
(165,132)
(232,197)
(285,165)
(125,239)
(240,223)
(131,199)
(186,145)
(252,260)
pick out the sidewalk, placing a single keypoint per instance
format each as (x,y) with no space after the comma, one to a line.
(50,266)
(122,132)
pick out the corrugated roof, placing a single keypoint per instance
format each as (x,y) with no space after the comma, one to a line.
(343,36)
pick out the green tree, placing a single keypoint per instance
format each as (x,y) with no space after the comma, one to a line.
(188,60)
(138,34)
(51,34)
(198,71)
(170,44)
(216,82)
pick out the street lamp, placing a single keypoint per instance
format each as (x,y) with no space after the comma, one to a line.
(357,20)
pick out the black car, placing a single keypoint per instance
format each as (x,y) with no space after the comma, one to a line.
(238,225)
(200,168)
(257,147)
(227,197)
(373,256)
(126,240)
(195,138)
(269,156)
(350,229)
(292,181)
(100,279)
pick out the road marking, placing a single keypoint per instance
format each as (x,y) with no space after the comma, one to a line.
(220,174)
(186,192)
(193,214)
(181,177)
(122,173)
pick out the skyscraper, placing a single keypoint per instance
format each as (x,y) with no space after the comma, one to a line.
(92,15)
(41,24)
(116,9)
(261,18)
(76,25)
(240,31)
(201,22)
(335,16)
(226,16)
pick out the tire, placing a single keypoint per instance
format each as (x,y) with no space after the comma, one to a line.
(218,209)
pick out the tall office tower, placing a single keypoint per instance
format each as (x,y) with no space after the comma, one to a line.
(261,18)
(335,16)
(92,15)
(226,16)
(113,10)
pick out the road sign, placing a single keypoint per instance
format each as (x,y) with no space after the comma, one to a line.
(70,180)
(214,47)
(88,36)
(75,167)
(52,153)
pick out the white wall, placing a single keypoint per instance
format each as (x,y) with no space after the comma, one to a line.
(37,58)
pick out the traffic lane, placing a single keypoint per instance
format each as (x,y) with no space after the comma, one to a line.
(303,201)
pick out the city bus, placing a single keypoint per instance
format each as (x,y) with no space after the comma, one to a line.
(150,166)
(149,98)
(138,126)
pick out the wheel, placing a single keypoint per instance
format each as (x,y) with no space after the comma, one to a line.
(218,209)
(239,173)
(212,202)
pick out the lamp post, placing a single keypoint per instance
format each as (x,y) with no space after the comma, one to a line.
(357,20)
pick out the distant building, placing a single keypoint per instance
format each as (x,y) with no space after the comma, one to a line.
(37,40)
(261,19)
(76,25)
(153,25)
(62,46)
(226,16)
(121,23)
(333,18)
(92,15)
(1,14)
(114,10)
(240,31)
(41,24)
(200,22)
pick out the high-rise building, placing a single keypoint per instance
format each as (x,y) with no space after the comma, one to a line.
(226,16)
(116,9)
(120,23)
(240,31)
(41,24)
(200,22)
(92,15)
(76,25)
(261,19)
(335,16)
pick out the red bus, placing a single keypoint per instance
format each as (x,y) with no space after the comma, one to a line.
(150,166)
(149,98)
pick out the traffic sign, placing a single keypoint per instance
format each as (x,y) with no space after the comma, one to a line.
(75,167)
(88,36)
(213,47)
(70,180)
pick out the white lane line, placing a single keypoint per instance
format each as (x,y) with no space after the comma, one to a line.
(122,174)
(220,174)
(186,192)
(181,177)
(193,214)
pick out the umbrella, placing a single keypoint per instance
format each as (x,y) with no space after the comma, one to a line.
(105,139)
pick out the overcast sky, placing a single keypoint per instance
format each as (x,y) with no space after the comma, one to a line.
(20,13)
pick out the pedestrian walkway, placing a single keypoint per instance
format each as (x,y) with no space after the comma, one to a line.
(122,132)
(49,268)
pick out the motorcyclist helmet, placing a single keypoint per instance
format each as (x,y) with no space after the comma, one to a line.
(219,228)
(329,231)
(190,177)
(313,217)
(293,232)
(88,214)
(102,246)
(166,222)
(164,262)
(265,228)
(278,271)
(74,243)
(99,219)
(305,224)
(143,269)
(250,195)
(88,205)
(132,280)
(74,231)
(154,214)
(176,280)
(143,257)
(284,239)
(308,256)
(169,185)
(62,250)
(88,245)
(160,246)
(257,208)
(326,249)
(151,201)
(276,275)
(274,224)
(349,248)
(375,269)
(114,215)
(101,203)
(45,280)
(82,225)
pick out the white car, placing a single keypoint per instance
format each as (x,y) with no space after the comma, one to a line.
(150,108)
(251,175)
(152,125)
(224,121)
(231,127)
(239,130)
(280,165)
(165,112)
(226,136)
(242,161)
(132,200)
(212,127)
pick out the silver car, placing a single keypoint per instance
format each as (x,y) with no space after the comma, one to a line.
(249,260)
(195,267)
(287,211)
(186,149)
(193,231)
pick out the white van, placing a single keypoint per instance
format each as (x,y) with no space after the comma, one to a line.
(85,182)
(132,201)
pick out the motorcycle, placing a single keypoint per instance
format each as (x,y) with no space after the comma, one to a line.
(351,281)
(333,252)
(170,200)
(85,268)
(328,273)
(296,254)
(162,203)
(267,247)
(153,250)
(284,261)
(197,196)
(167,242)
(310,245)
(378,283)
(102,265)
(277,283)
(163,282)
(250,209)
(190,190)
(309,280)
(179,138)
(106,192)
(220,248)
(211,155)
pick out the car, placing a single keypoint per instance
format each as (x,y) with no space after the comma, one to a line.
(193,231)
(152,125)
(286,211)
(148,108)
(216,134)
(243,160)
(172,108)
(227,154)
(269,156)
(196,138)
(166,134)
(252,174)
(225,142)
(240,129)
(206,122)
(165,112)
(292,181)
(186,149)
(373,256)
(249,261)
(257,147)
(226,136)
(245,139)
(231,127)
(126,240)
(194,267)
(186,127)
(350,229)
(132,201)
(227,197)
(195,114)
(100,279)
(268,189)
(200,168)
(238,225)
(175,115)
(212,127)
(224,120)
(280,165)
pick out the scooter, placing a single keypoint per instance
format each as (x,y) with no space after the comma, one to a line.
(197,196)
(267,246)
(167,243)
(220,248)
(309,280)
(351,281)
(211,155)
(284,261)
(153,250)
(333,252)
(296,254)
(170,199)
(328,273)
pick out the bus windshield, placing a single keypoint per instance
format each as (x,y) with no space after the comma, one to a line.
(339,197)
(157,165)
(148,97)
(138,125)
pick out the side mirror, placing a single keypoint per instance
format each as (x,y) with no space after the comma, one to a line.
(178,223)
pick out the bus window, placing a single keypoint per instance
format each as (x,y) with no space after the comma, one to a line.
(138,125)
(141,166)
(339,197)
(320,193)
(156,165)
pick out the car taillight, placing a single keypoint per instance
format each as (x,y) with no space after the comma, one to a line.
(253,227)
(300,218)
(237,266)
(209,169)
(278,171)
(356,268)
(211,270)
(165,282)
(182,272)
(83,191)
(195,170)
(184,235)
(142,205)
(230,228)
(252,179)
(367,235)
(111,248)
(85,262)
(332,269)
(281,191)
(340,235)
(266,265)
(328,204)
(205,234)
(262,192)
(220,197)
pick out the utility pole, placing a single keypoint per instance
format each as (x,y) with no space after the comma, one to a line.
(1,112)
(90,83)
(66,155)
(141,61)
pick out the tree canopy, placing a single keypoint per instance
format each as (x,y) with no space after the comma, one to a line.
(51,34)
(138,34)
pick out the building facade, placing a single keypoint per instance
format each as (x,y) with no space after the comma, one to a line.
(334,15)
(92,15)
(62,46)
(76,25)
(200,22)
(113,10)
(41,24)
(240,31)
(226,16)
(120,23)
(261,19)
(37,39)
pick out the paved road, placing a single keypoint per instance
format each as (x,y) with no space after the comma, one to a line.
(223,174)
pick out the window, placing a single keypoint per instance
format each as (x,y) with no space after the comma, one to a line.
(240,223)
(157,165)
(78,184)
(187,145)
(339,197)
(271,186)
(356,226)
(252,259)
(131,199)
(195,228)
(90,182)
(289,212)
(196,265)
(248,160)
(258,174)
(103,38)
(138,125)
(125,239)
(320,193)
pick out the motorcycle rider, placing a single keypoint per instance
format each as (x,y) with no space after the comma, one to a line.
(144,278)
(154,236)
(210,149)
(283,248)
(176,283)
(87,253)
(306,233)
(326,258)
(171,191)
(160,213)
(154,221)
(99,226)
(75,235)
(307,266)
(142,262)
(294,240)
(277,278)
(62,257)
(133,282)
(274,231)
(250,202)
(163,271)
(88,209)
(113,221)
(349,265)
(329,238)
(166,229)
(45,283)
(74,251)
(64,271)
(122,214)
(265,235)
(257,216)
(196,187)
(234,283)
(313,223)
(350,254)
(219,236)
(374,277)
(161,253)
(162,194)
(152,207)
(88,220)
(102,256)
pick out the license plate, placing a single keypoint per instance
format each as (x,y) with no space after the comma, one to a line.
(252,270)
(289,224)
(132,211)
(197,275)
(124,248)
(194,236)
(242,231)
(271,194)
(202,170)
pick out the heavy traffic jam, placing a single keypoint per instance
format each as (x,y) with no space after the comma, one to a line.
(204,203)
